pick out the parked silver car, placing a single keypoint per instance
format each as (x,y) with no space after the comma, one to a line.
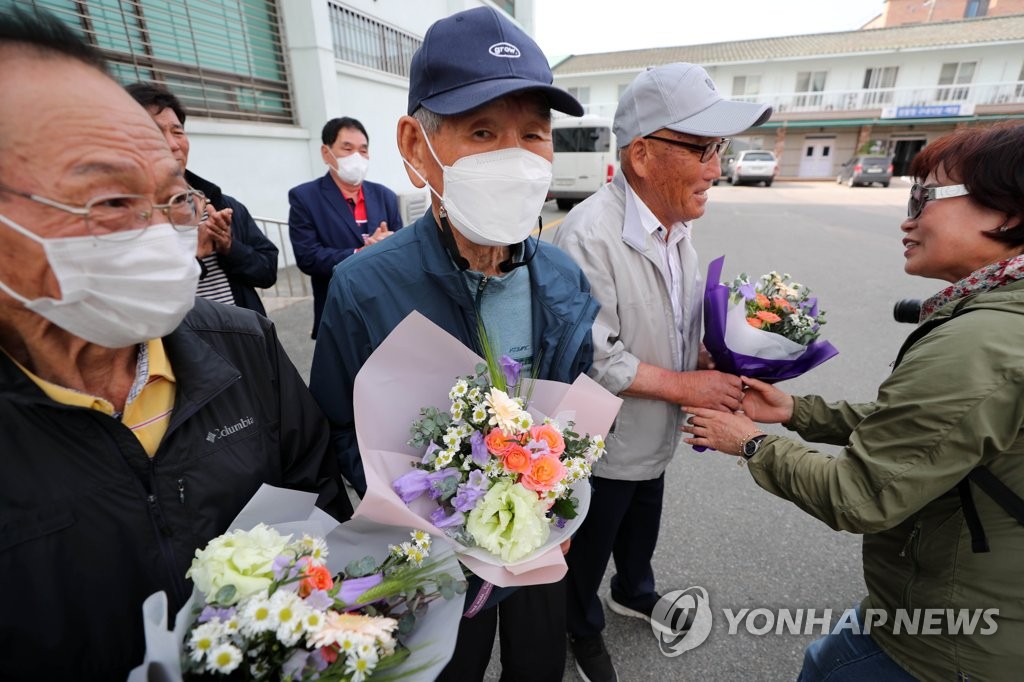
(753,165)
(864,170)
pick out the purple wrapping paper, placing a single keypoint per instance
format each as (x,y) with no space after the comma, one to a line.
(716,305)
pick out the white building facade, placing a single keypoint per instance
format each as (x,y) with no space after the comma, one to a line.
(886,91)
(261,77)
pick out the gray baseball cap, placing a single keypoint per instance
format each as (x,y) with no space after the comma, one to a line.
(681,97)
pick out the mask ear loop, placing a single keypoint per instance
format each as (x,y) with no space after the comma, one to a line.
(510,265)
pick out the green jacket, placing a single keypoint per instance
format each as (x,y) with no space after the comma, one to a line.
(954,402)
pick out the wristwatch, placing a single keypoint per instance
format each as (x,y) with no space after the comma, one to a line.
(751,445)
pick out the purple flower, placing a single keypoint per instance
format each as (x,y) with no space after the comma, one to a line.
(559,522)
(477,479)
(211,612)
(431,449)
(511,368)
(294,665)
(480,453)
(283,567)
(537,448)
(747,291)
(411,485)
(319,599)
(466,498)
(353,587)
(442,520)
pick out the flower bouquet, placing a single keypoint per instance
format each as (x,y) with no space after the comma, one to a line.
(272,604)
(766,329)
(490,471)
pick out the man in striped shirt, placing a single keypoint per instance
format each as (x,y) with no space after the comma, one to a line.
(235,255)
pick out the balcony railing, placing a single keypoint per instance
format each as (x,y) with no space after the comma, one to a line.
(290,281)
(873,100)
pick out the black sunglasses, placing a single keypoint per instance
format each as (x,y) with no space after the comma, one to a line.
(921,195)
(706,150)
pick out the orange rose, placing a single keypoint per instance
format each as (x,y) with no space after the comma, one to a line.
(754,322)
(516,459)
(317,578)
(762,301)
(782,304)
(549,435)
(545,473)
(498,443)
(767,316)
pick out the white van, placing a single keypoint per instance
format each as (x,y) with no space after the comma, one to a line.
(586,157)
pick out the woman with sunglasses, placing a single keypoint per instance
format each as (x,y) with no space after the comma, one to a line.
(932,472)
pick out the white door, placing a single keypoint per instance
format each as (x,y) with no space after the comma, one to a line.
(816,160)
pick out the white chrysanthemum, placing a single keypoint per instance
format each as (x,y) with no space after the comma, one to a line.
(224,659)
(465,430)
(458,409)
(421,539)
(524,421)
(289,611)
(493,468)
(313,622)
(415,555)
(479,414)
(317,548)
(360,668)
(459,390)
(204,639)
(451,438)
(475,395)
(443,459)
(232,625)
(258,616)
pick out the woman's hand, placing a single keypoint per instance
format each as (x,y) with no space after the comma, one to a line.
(723,431)
(764,403)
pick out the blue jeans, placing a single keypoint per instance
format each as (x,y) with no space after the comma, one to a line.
(848,657)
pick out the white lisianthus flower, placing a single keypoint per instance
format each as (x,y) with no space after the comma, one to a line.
(506,413)
(241,558)
(509,521)
(224,659)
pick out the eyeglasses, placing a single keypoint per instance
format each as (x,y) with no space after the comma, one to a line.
(921,195)
(706,150)
(120,217)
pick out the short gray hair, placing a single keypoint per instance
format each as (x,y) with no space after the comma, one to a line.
(430,121)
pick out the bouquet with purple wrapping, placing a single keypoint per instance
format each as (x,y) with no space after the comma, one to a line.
(766,330)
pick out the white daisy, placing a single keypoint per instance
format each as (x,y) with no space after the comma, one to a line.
(205,638)
(258,616)
(224,659)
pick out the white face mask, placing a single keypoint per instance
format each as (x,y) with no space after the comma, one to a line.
(493,198)
(118,293)
(352,168)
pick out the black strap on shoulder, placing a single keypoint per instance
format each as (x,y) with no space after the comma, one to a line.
(1001,494)
(925,327)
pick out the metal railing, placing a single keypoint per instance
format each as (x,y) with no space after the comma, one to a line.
(364,40)
(875,99)
(291,282)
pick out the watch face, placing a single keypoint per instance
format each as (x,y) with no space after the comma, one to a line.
(750,447)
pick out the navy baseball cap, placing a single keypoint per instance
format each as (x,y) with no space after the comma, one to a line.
(472,57)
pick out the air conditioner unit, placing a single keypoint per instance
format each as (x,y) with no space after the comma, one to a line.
(413,206)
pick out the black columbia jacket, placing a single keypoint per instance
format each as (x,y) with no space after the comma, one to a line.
(90,525)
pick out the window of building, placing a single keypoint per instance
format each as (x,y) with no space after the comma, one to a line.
(954,80)
(508,5)
(581,93)
(363,40)
(878,84)
(1020,82)
(222,58)
(746,87)
(810,81)
(976,8)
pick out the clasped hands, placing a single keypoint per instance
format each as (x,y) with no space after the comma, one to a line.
(727,423)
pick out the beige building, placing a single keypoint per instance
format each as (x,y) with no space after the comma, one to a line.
(885,90)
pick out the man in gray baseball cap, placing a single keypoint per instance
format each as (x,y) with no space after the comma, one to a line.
(632,240)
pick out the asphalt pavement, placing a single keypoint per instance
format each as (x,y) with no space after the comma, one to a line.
(720,531)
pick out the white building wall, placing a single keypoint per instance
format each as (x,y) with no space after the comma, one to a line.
(259,163)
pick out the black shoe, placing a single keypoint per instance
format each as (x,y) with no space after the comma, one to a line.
(592,660)
(642,611)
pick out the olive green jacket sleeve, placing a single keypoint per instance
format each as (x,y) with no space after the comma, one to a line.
(953,402)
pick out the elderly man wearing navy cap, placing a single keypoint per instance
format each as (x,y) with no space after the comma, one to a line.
(478,135)
(632,239)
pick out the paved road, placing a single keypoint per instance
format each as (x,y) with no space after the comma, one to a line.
(720,531)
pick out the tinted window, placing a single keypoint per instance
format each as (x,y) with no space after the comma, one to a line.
(582,139)
(875,161)
(759,156)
